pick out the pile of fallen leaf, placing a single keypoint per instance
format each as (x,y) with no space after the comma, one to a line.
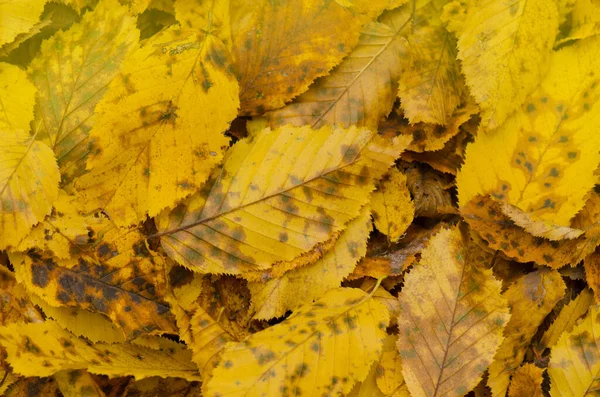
(299,198)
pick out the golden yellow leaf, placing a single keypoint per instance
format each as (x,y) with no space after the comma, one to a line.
(17,97)
(575,359)
(212,15)
(159,128)
(171,387)
(357,91)
(547,230)
(451,318)
(545,154)
(277,195)
(392,207)
(286,45)
(526,382)
(71,73)
(591,264)
(530,298)
(589,216)
(485,216)
(498,41)
(77,383)
(28,184)
(304,284)
(388,300)
(119,278)
(325,347)
(448,159)
(368,387)
(18,16)
(208,341)
(389,370)
(24,387)
(44,349)
(584,20)
(431,85)
(566,319)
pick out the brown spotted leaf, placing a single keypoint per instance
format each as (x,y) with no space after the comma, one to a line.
(451,318)
(45,349)
(322,349)
(530,299)
(526,382)
(278,195)
(362,89)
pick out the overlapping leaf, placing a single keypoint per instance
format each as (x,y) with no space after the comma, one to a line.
(451,319)
(159,128)
(72,72)
(18,16)
(325,347)
(17,98)
(276,196)
(393,209)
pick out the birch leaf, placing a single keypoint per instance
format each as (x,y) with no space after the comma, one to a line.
(356,92)
(17,97)
(526,382)
(44,349)
(158,133)
(389,370)
(71,73)
(28,184)
(498,41)
(274,297)
(276,196)
(575,359)
(393,209)
(530,298)
(545,154)
(585,21)
(368,387)
(18,16)
(325,347)
(451,319)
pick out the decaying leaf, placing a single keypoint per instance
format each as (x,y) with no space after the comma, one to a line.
(276,196)
(430,192)
(77,383)
(325,347)
(392,207)
(44,349)
(451,318)
(575,359)
(526,382)
(72,73)
(530,299)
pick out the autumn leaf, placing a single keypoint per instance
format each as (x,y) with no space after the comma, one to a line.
(265,206)
(356,81)
(527,381)
(393,209)
(72,73)
(497,41)
(337,337)
(575,361)
(530,299)
(389,370)
(546,152)
(368,387)
(18,16)
(444,342)
(44,349)
(28,184)
(584,20)
(288,292)
(153,147)
(17,97)
(78,383)
(290,43)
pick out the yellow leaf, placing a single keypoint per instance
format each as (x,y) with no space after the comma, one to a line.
(213,15)
(171,387)
(575,361)
(159,128)
(304,284)
(18,16)
(431,86)
(77,383)
(498,41)
(485,216)
(277,195)
(356,83)
(208,341)
(591,264)
(542,159)
(584,20)
(567,318)
(547,230)
(63,232)
(526,382)
(451,318)
(71,73)
(119,278)
(393,209)
(28,184)
(530,298)
(17,97)
(368,387)
(389,371)
(44,349)
(325,347)
(286,45)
